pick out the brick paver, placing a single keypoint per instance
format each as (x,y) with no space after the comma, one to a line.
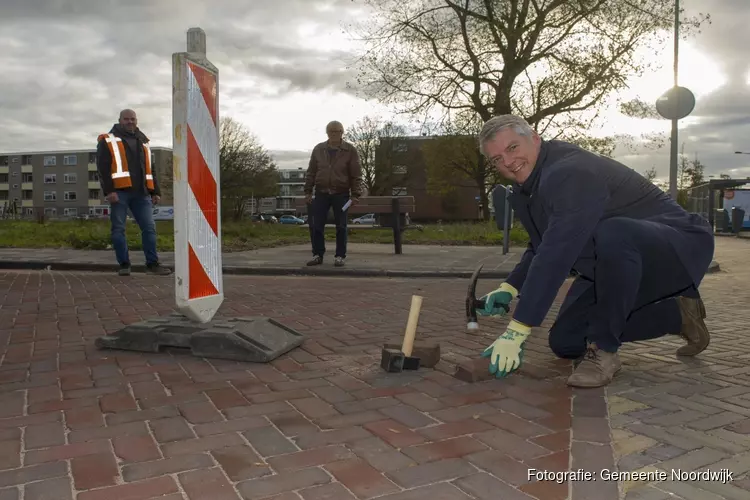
(690,414)
(324,421)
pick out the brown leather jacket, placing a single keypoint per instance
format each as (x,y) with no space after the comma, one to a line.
(340,176)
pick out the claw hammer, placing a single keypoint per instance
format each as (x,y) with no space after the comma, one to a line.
(472,303)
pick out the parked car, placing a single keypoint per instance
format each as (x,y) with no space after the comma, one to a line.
(365,219)
(270,219)
(290,219)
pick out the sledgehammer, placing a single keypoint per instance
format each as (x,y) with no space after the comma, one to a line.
(472,303)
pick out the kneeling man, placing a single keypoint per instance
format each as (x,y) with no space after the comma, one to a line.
(637,255)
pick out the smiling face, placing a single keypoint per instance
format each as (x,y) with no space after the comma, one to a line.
(512,154)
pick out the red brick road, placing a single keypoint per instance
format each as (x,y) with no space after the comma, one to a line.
(323,422)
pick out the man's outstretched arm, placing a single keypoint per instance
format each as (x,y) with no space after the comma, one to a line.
(577,198)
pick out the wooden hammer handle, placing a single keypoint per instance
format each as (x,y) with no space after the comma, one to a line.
(411,325)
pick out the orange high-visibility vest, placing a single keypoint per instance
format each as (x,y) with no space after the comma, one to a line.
(119,168)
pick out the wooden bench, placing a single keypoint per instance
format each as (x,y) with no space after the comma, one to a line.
(390,211)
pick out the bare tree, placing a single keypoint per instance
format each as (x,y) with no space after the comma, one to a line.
(367,135)
(650,174)
(552,61)
(247,169)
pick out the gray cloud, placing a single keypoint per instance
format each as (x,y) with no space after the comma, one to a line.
(720,122)
(290,159)
(69,66)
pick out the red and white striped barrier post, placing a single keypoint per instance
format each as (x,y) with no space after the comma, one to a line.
(199,289)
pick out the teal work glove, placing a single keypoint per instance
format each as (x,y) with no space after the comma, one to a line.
(494,301)
(506,353)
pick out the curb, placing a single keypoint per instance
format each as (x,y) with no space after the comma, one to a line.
(32,265)
(38,265)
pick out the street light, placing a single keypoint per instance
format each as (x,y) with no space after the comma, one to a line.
(675,104)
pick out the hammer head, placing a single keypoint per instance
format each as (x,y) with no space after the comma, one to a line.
(471,301)
(393,360)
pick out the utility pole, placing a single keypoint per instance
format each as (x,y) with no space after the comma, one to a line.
(675,104)
(675,133)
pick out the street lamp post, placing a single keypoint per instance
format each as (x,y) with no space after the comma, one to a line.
(674,137)
(675,104)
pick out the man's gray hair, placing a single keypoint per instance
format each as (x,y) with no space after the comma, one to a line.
(334,123)
(497,123)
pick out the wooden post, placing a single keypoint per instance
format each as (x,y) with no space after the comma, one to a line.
(396,213)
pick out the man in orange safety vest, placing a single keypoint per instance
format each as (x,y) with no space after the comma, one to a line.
(126,175)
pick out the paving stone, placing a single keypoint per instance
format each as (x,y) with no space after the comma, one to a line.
(324,421)
(694,409)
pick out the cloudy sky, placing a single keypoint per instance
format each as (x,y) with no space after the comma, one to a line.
(69,66)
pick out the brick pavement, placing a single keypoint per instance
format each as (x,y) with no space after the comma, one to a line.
(323,422)
(692,414)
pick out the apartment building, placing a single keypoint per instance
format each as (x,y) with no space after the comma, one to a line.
(291,187)
(62,184)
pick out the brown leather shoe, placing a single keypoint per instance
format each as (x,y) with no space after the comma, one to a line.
(693,329)
(597,368)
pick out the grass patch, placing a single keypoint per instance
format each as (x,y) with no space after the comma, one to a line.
(238,236)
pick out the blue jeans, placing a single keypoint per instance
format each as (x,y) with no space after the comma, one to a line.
(143,212)
(317,220)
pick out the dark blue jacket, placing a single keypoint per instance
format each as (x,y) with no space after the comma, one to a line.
(567,194)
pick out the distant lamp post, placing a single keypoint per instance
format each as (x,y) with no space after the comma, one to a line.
(675,104)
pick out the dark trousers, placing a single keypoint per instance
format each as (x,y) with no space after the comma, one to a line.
(632,297)
(317,220)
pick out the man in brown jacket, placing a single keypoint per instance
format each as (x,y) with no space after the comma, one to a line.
(336,175)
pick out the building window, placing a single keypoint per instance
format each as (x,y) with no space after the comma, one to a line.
(50,161)
(3,160)
(27,177)
(399,169)
(93,194)
(50,212)
(3,178)
(28,211)
(27,194)
(70,196)
(50,178)
(93,176)
(70,160)
(71,178)
(50,195)
(398,191)
(92,157)
(70,212)
(26,160)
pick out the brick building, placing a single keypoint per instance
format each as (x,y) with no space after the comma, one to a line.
(401,166)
